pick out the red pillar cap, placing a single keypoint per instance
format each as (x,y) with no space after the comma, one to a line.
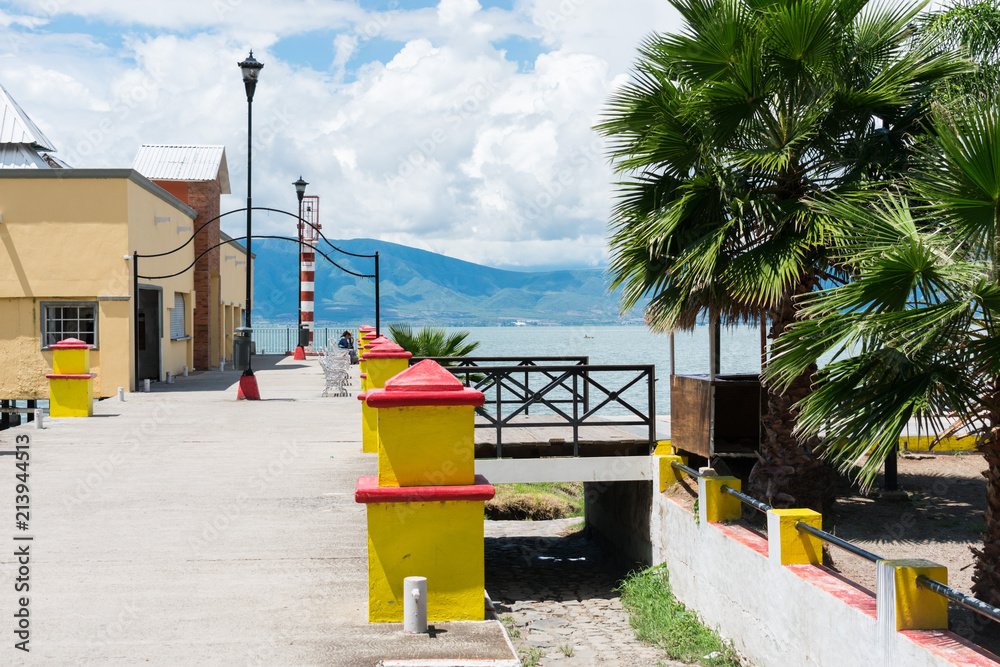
(368,491)
(386,350)
(425,383)
(71,344)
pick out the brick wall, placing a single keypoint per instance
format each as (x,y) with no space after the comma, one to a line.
(202,196)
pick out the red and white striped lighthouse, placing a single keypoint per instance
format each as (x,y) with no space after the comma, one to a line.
(309,236)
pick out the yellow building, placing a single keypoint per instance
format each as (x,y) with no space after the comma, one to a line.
(67,240)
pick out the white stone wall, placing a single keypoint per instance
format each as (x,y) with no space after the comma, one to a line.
(783,616)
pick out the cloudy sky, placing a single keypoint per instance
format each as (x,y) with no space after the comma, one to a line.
(456,126)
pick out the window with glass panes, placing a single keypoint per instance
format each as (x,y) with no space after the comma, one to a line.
(69,320)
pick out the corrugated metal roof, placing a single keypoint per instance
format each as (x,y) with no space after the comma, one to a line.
(160,162)
(17,128)
(21,156)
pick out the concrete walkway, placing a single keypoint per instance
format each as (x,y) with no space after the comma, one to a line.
(185,528)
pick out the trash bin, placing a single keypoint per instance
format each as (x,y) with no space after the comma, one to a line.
(241,352)
(303,337)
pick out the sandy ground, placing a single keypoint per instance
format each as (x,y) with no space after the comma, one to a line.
(940,522)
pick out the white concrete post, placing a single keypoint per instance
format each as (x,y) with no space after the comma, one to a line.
(145,385)
(170,377)
(185,371)
(415,604)
(222,365)
(121,394)
(38,418)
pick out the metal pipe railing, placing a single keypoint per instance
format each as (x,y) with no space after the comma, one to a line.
(690,471)
(958,597)
(725,489)
(923,581)
(837,542)
(747,500)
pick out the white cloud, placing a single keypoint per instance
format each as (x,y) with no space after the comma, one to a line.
(446,145)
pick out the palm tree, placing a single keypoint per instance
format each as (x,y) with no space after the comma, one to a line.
(972,25)
(722,134)
(919,330)
(431,341)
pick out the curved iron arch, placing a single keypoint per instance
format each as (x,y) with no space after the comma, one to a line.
(257,208)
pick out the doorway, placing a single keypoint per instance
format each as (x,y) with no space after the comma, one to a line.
(149,333)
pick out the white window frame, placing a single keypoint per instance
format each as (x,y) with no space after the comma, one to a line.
(183,315)
(44,321)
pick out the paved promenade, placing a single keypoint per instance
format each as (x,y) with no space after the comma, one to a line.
(185,528)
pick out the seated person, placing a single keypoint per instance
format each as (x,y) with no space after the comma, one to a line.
(346,342)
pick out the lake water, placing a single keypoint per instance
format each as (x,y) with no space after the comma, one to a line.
(740,349)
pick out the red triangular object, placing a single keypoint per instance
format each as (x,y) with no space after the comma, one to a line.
(428,375)
(248,388)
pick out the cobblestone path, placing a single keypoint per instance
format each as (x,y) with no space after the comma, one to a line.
(559,588)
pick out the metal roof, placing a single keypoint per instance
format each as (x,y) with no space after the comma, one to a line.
(162,162)
(21,156)
(17,128)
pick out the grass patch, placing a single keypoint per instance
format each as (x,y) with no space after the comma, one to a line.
(659,619)
(511,626)
(536,502)
(531,655)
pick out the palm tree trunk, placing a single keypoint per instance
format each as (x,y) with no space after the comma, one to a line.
(986,574)
(788,472)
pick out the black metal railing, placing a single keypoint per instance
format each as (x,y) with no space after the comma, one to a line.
(278,340)
(923,581)
(471,377)
(568,395)
(967,601)
(837,542)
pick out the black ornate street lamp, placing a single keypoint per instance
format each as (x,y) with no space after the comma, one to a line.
(300,191)
(251,71)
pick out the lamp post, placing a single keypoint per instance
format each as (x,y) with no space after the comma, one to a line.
(300,191)
(251,71)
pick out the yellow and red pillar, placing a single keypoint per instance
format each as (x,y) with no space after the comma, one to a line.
(425,506)
(383,360)
(71,384)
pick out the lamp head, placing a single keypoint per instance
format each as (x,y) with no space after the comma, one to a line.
(251,72)
(300,188)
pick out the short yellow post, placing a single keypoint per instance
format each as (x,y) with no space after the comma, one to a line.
(899,599)
(383,360)
(425,507)
(786,544)
(71,384)
(713,504)
(669,475)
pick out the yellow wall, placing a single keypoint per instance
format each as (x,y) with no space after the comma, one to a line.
(232,293)
(63,238)
(149,237)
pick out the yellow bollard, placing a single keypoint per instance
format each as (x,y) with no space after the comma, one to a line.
(786,544)
(713,504)
(383,360)
(71,384)
(669,475)
(425,507)
(898,595)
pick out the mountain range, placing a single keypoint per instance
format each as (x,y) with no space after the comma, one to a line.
(421,287)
